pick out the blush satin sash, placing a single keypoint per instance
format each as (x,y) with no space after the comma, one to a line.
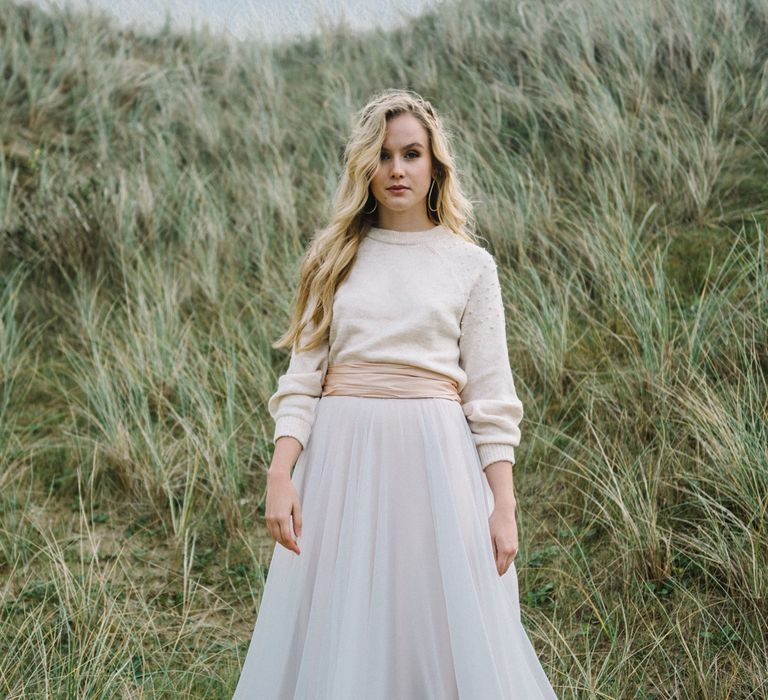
(387,380)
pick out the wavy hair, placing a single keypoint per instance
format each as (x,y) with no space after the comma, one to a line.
(331,252)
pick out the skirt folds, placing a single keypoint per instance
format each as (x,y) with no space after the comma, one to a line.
(395,594)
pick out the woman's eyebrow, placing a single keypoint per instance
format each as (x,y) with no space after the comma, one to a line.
(410,145)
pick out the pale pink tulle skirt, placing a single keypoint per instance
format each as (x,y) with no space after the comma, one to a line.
(395,595)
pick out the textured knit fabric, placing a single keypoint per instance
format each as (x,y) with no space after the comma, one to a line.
(426,298)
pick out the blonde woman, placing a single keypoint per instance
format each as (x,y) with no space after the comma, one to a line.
(393,575)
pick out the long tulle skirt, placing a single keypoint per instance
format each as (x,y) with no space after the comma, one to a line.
(395,595)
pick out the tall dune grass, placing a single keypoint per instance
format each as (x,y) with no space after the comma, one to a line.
(156,192)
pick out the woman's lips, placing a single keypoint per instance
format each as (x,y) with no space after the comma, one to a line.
(397,189)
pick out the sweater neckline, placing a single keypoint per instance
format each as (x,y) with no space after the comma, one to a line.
(387,235)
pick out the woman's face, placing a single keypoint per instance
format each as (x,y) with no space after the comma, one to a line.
(405,162)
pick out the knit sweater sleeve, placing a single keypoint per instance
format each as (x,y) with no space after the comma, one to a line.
(293,404)
(489,399)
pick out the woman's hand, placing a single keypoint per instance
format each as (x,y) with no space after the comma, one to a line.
(503,535)
(502,519)
(282,502)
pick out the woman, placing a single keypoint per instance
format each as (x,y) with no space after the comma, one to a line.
(394,577)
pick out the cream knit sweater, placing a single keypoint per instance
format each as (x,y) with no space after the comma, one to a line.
(424,298)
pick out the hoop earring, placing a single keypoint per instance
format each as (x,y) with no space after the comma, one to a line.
(375,204)
(429,196)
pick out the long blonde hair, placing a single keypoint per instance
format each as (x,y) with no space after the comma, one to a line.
(331,253)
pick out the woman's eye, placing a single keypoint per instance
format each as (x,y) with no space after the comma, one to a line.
(414,153)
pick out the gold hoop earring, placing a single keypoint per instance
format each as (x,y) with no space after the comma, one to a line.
(429,196)
(375,204)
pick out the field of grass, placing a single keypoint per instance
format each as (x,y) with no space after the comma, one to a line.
(156,193)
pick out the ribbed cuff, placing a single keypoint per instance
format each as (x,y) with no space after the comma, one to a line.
(495,452)
(295,427)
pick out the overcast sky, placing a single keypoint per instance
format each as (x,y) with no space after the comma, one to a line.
(265,19)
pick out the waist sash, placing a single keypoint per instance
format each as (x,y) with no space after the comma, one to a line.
(387,380)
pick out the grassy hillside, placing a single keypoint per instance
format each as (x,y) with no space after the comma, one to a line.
(156,193)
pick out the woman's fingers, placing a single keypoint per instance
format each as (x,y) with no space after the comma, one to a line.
(280,530)
(282,500)
(505,553)
(504,536)
(501,557)
(286,537)
(297,519)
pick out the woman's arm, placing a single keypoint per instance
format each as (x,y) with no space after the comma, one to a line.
(293,404)
(501,482)
(489,399)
